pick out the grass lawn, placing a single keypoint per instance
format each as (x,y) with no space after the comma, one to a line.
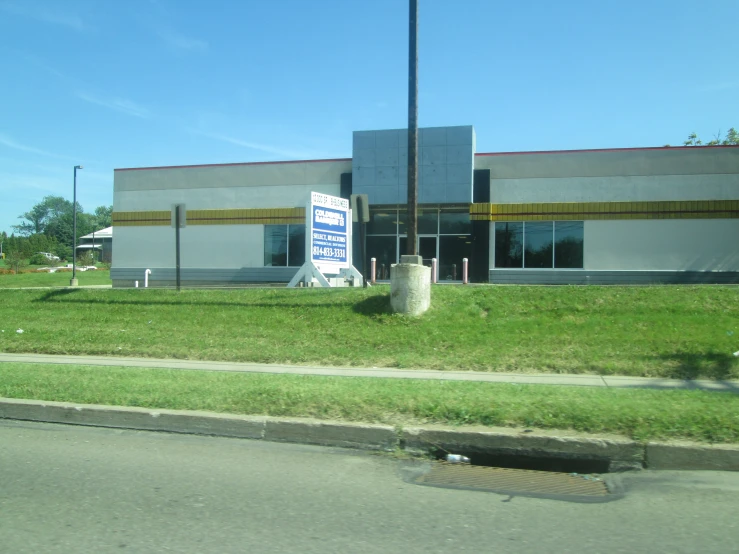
(59,279)
(639,414)
(670,331)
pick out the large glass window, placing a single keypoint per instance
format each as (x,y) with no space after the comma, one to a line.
(568,244)
(508,244)
(384,250)
(383,223)
(387,238)
(284,245)
(539,244)
(296,245)
(451,251)
(455,223)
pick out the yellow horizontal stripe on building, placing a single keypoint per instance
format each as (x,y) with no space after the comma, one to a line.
(242,216)
(141,219)
(557,211)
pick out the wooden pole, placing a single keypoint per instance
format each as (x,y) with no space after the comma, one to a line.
(413,130)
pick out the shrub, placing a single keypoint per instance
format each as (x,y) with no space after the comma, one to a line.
(39,259)
(85,259)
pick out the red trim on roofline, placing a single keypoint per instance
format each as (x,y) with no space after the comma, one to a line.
(604,150)
(232,164)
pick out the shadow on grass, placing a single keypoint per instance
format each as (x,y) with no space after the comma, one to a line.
(373,306)
(708,365)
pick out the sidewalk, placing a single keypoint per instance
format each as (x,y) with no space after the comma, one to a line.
(478,376)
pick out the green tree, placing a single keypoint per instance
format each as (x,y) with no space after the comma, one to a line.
(731,138)
(18,257)
(103,217)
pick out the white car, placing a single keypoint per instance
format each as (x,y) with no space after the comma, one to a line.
(50,256)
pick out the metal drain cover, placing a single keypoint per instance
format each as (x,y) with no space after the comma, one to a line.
(516,482)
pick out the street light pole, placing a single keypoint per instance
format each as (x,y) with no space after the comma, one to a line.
(73,282)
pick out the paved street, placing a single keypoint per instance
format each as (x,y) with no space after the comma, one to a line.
(76,489)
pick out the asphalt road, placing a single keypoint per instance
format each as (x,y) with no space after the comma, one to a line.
(77,490)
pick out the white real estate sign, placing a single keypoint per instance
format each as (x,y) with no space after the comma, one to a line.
(328,242)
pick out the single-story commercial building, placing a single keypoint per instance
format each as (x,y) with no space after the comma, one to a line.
(99,242)
(630,215)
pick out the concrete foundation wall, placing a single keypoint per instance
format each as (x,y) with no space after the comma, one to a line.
(590,277)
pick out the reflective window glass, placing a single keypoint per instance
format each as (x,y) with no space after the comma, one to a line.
(275,245)
(383,249)
(538,245)
(296,252)
(428,222)
(455,223)
(568,244)
(508,244)
(383,223)
(451,251)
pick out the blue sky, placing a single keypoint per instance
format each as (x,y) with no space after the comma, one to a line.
(166,82)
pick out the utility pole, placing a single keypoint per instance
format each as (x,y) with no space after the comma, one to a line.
(413,130)
(73,282)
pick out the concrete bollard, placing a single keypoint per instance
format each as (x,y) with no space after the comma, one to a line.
(434,276)
(410,288)
(465,266)
(373,270)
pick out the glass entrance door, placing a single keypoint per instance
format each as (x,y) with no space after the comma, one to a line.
(426,247)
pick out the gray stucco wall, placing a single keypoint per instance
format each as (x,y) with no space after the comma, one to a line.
(614,176)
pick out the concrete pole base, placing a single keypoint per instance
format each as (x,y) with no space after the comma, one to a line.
(74,282)
(410,288)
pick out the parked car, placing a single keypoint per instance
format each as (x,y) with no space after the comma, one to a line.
(49,256)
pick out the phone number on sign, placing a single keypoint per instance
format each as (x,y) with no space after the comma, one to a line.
(327,252)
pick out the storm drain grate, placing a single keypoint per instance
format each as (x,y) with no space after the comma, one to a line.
(514,481)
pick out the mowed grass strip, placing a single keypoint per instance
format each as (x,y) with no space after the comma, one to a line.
(668,331)
(57,279)
(636,413)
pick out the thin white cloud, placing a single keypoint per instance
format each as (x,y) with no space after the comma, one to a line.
(178,41)
(292,154)
(8,142)
(63,19)
(118,104)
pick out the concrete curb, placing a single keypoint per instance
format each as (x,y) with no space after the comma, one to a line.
(618,452)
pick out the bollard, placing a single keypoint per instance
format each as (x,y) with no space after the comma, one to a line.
(373,270)
(136,284)
(146,278)
(433,270)
(465,265)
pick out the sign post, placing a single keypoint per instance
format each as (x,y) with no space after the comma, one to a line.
(328,243)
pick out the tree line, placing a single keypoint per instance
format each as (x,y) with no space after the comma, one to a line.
(48,227)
